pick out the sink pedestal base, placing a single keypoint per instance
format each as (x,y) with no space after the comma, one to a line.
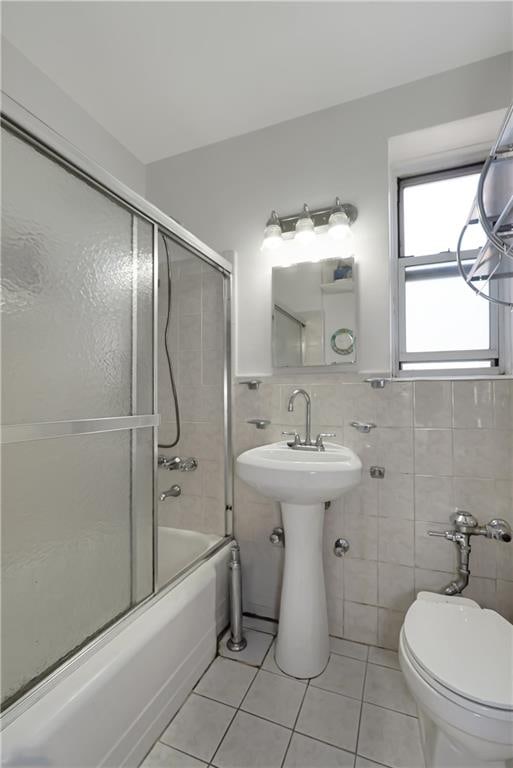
(302,647)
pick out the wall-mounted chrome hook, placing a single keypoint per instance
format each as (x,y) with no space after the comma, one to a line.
(259,423)
(363,426)
(251,383)
(376,383)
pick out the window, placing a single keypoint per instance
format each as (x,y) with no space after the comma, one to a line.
(443,326)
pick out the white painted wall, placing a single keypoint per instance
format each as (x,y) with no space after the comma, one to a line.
(27,85)
(224,192)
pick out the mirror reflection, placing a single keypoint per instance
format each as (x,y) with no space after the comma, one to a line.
(314,313)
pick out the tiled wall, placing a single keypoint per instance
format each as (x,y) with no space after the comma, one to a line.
(196,338)
(443,445)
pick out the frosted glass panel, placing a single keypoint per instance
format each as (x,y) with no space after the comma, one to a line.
(442,314)
(66,534)
(69,263)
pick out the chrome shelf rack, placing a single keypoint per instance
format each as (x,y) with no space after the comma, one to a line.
(488,271)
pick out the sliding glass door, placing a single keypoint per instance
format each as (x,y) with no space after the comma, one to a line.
(78,415)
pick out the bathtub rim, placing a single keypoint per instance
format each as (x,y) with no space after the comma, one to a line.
(104,636)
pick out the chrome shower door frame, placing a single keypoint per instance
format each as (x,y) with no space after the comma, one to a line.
(56,147)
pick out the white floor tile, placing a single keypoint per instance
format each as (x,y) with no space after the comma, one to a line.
(362,762)
(383,657)
(390,737)
(342,675)
(349,648)
(271,666)
(226,681)
(309,753)
(275,697)
(253,653)
(198,727)
(252,743)
(162,756)
(330,717)
(387,688)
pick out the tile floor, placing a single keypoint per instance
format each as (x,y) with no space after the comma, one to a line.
(246,713)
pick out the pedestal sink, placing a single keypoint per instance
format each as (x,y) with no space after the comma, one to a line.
(302,481)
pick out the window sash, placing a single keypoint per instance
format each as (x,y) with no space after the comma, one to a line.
(490,353)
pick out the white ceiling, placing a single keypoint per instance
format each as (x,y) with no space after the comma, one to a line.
(167,77)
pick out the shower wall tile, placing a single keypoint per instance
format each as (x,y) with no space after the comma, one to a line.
(197,303)
(436,456)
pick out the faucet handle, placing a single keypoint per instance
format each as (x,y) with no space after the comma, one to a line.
(320,437)
(296,437)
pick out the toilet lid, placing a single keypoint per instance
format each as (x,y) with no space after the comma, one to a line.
(468,650)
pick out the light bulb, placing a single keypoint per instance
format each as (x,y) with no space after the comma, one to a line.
(272,233)
(338,225)
(305,231)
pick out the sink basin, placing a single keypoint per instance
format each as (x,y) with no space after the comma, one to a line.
(300,477)
(302,481)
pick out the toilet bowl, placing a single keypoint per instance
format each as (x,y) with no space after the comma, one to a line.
(457,661)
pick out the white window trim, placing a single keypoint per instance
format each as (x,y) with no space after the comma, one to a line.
(397,270)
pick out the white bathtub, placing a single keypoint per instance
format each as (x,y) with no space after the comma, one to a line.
(178,548)
(109,705)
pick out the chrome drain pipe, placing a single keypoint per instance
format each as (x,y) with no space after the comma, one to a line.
(236,641)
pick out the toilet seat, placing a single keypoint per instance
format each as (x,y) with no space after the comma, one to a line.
(447,640)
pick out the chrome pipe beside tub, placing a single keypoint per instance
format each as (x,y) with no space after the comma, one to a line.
(236,641)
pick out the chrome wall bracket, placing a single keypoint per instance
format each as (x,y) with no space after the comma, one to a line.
(251,383)
(376,383)
(259,423)
(377,473)
(363,426)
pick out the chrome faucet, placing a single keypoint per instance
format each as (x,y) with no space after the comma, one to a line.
(306,444)
(308,404)
(174,491)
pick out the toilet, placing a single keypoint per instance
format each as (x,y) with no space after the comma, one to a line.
(457,660)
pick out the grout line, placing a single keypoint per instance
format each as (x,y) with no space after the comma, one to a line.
(307,686)
(361,712)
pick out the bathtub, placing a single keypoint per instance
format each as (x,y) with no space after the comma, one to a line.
(109,704)
(178,548)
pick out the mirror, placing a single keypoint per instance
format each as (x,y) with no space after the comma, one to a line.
(314,313)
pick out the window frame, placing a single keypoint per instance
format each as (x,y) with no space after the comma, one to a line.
(402,262)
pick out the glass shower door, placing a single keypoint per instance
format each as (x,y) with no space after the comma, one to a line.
(78,417)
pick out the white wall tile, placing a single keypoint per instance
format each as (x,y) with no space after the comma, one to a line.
(483,453)
(395,496)
(433,552)
(431,581)
(361,581)
(394,405)
(389,627)
(503,404)
(395,586)
(473,404)
(395,541)
(362,532)
(433,452)
(433,498)
(433,404)
(396,449)
(361,623)
(504,599)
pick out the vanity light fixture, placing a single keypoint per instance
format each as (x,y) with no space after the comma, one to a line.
(272,232)
(302,226)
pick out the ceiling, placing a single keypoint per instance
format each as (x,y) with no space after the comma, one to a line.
(167,77)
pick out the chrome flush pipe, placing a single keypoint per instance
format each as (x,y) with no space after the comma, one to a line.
(308,404)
